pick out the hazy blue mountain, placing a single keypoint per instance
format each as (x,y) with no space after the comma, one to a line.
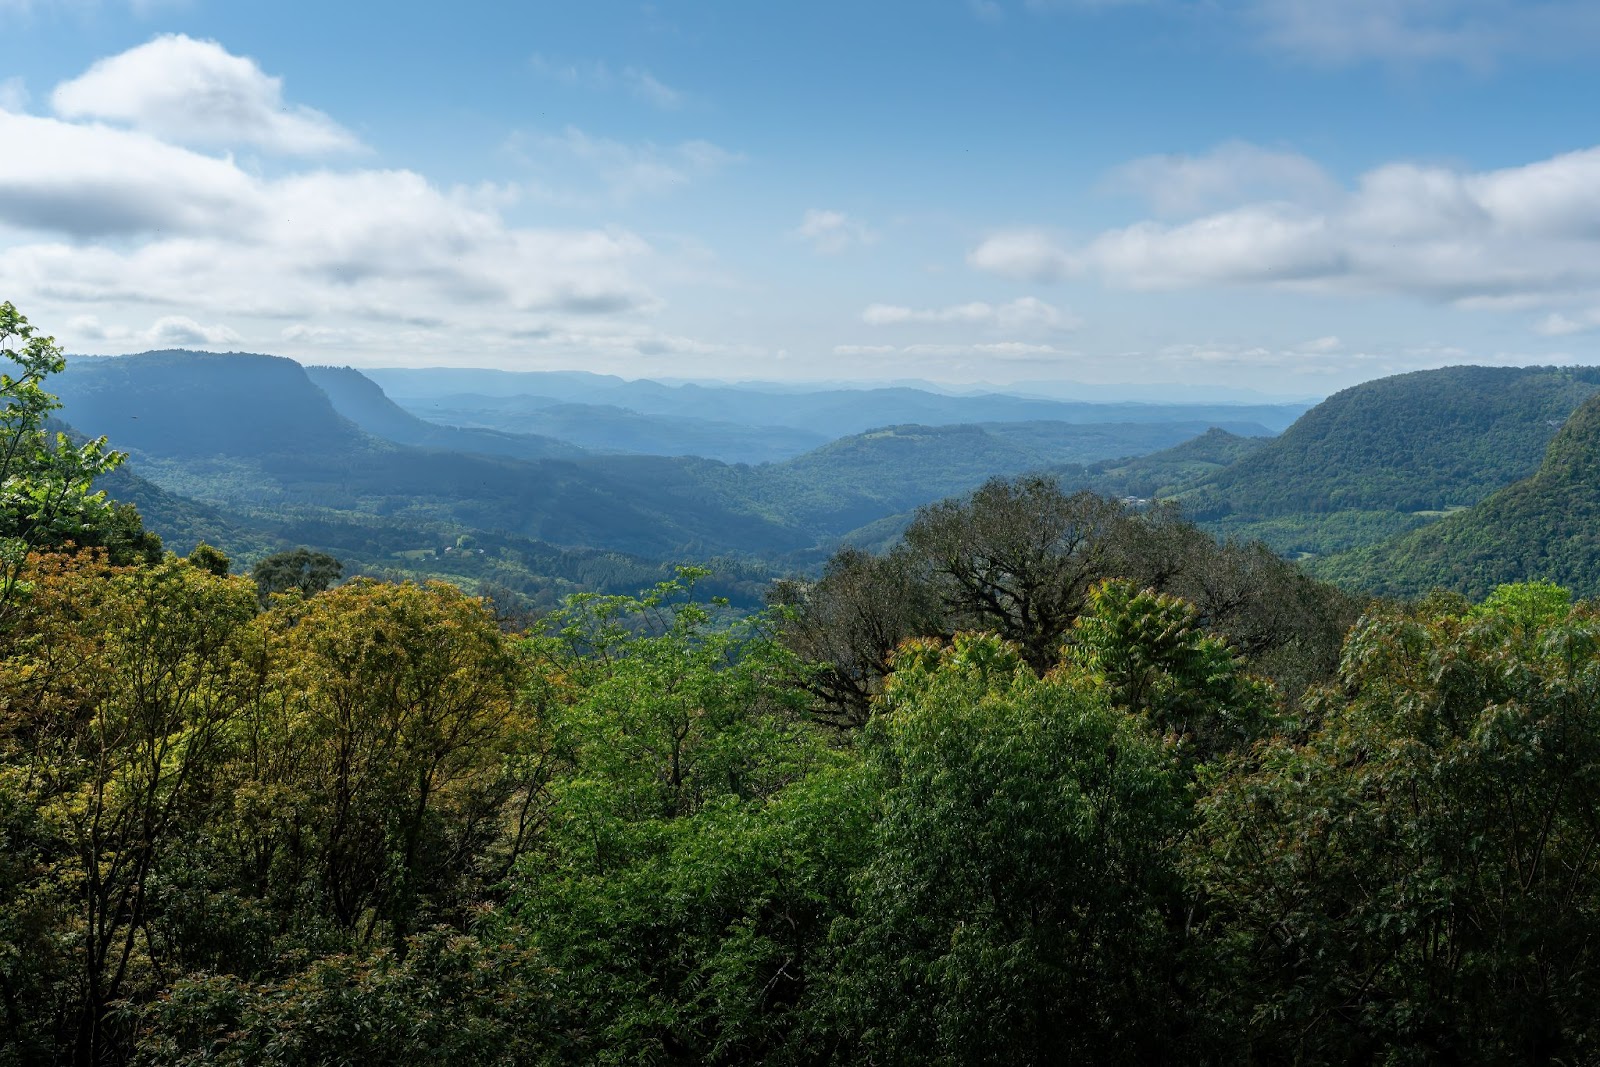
(607,428)
(177,403)
(257,438)
(361,400)
(830,412)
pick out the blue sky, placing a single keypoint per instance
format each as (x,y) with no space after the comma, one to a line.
(1281,195)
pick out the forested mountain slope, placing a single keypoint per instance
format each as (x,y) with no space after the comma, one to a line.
(1544,527)
(197,404)
(1190,461)
(359,399)
(254,434)
(1413,442)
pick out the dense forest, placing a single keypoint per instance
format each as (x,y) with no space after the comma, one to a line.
(1055,779)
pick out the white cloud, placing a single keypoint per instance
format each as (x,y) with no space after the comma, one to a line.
(1474,33)
(95,181)
(1233,173)
(986,10)
(1509,239)
(172,331)
(832,232)
(14,95)
(182,331)
(1558,324)
(1025,313)
(1028,254)
(152,225)
(597,75)
(652,90)
(626,172)
(195,92)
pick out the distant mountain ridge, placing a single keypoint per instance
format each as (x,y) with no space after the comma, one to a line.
(359,399)
(830,412)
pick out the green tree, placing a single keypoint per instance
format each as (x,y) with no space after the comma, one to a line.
(1420,880)
(1149,653)
(118,700)
(700,840)
(1018,557)
(1015,910)
(298,570)
(46,497)
(375,776)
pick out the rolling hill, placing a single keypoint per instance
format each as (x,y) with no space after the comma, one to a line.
(1546,526)
(1388,456)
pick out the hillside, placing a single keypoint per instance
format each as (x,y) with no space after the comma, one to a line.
(862,479)
(1544,527)
(359,399)
(1191,461)
(1412,442)
(254,435)
(1386,457)
(197,404)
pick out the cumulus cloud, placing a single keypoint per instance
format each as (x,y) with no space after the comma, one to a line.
(1559,324)
(170,331)
(365,240)
(195,92)
(1025,313)
(117,219)
(95,181)
(1514,238)
(832,232)
(1032,255)
(1233,173)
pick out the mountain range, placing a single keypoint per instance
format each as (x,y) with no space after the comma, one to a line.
(1443,477)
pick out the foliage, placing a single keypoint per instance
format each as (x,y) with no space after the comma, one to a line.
(1418,881)
(1013,910)
(699,837)
(1149,654)
(121,690)
(446,999)
(1019,557)
(46,495)
(301,570)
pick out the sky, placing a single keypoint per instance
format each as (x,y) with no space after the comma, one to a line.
(1284,196)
